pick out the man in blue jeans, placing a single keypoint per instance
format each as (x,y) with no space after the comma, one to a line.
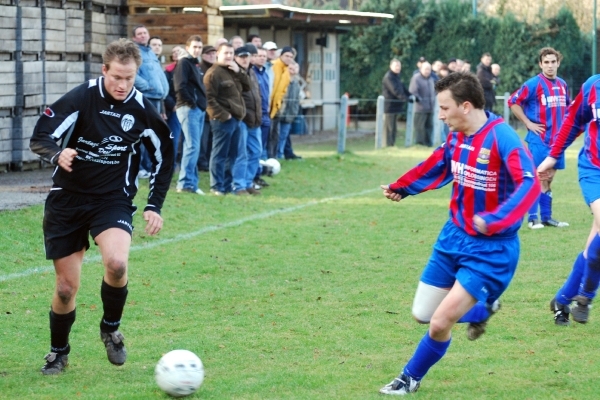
(225,81)
(191,103)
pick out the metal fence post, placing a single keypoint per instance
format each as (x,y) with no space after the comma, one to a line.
(437,124)
(342,125)
(506,108)
(410,117)
(379,123)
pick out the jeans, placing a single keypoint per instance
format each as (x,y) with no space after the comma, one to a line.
(284,132)
(192,123)
(273,138)
(265,131)
(241,161)
(254,150)
(175,127)
(224,152)
(205,147)
(145,161)
(247,161)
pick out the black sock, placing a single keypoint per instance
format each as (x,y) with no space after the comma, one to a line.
(60,327)
(113,301)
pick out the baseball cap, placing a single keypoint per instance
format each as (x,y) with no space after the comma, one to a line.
(422,59)
(286,49)
(208,49)
(270,46)
(251,48)
(242,51)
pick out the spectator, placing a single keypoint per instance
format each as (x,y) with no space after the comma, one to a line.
(396,95)
(191,106)
(420,61)
(459,65)
(444,71)
(259,66)
(224,87)
(422,87)
(220,41)
(496,73)
(280,84)
(171,101)
(466,66)
(209,57)
(486,78)
(155,43)
(255,40)
(236,41)
(152,83)
(289,111)
(435,69)
(249,145)
(452,65)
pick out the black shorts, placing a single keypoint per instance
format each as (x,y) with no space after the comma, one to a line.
(69,219)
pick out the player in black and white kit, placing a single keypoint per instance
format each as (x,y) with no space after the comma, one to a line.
(93,135)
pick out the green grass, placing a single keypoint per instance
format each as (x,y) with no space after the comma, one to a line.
(304,292)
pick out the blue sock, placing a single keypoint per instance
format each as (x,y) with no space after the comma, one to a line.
(533,211)
(591,275)
(478,313)
(427,354)
(546,205)
(571,286)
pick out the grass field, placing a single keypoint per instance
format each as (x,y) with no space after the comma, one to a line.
(302,293)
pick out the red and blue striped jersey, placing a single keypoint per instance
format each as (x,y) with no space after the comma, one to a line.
(493,177)
(582,115)
(544,101)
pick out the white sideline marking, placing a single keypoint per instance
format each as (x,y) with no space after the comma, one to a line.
(202,231)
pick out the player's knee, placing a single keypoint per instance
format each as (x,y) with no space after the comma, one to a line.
(117,268)
(438,327)
(66,290)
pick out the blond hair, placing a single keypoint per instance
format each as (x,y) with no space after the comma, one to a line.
(124,50)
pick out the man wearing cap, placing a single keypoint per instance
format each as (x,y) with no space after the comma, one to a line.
(190,109)
(249,144)
(259,67)
(209,56)
(280,84)
(225,81)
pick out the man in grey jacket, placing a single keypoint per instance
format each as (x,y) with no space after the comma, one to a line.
(422,87)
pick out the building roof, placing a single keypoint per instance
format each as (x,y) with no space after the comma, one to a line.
(280,15)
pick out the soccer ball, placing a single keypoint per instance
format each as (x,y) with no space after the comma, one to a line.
(274,164)
(179,373)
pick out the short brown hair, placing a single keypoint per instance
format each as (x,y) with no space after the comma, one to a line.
(124,50)
(223,45)
(546,51)
(463,86)
(193,38)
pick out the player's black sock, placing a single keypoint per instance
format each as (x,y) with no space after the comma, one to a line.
(60,327)
(113,301)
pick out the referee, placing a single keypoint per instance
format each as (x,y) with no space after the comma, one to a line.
(93,136)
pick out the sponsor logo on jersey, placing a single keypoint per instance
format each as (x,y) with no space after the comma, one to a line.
(553,101)
(48,112)
(466,146)
(484,156)
(115,138)
(127,122)
(110,113)
(127,224)
(528,174)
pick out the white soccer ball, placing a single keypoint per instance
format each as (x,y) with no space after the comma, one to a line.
(179,373)
(274,164)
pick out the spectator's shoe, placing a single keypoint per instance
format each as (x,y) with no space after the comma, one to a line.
(256,186)
(261,182)
(294,157)
(476,329)
(534,224)
(143,174)
(115,348)
(55,363)
(561,313)
(217,192)
(242,192)
(253,191)
(267,170)
(556,224)
(581,311)
(401,385)
(188,190)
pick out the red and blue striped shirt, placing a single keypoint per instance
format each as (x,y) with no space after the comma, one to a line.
(582,115)
(544,101)
(493,177)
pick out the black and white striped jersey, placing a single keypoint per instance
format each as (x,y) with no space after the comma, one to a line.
(107,135)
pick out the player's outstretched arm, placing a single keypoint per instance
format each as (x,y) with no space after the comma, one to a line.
(154,222)
(387,192)
(546,169)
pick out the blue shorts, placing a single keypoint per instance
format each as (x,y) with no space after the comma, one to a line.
(484,266)
(541,151)
(589,179)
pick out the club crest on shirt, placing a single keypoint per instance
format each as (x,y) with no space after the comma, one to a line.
(484,156)
(127,122)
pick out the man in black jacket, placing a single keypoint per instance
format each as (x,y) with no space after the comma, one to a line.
(93,136)
(190,108)
(488,80)
(395,95)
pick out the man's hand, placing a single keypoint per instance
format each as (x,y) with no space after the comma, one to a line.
(536,128)
(155,222)
(65,159)
(234,67)
(480,225)
(387,192)
(546,169)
